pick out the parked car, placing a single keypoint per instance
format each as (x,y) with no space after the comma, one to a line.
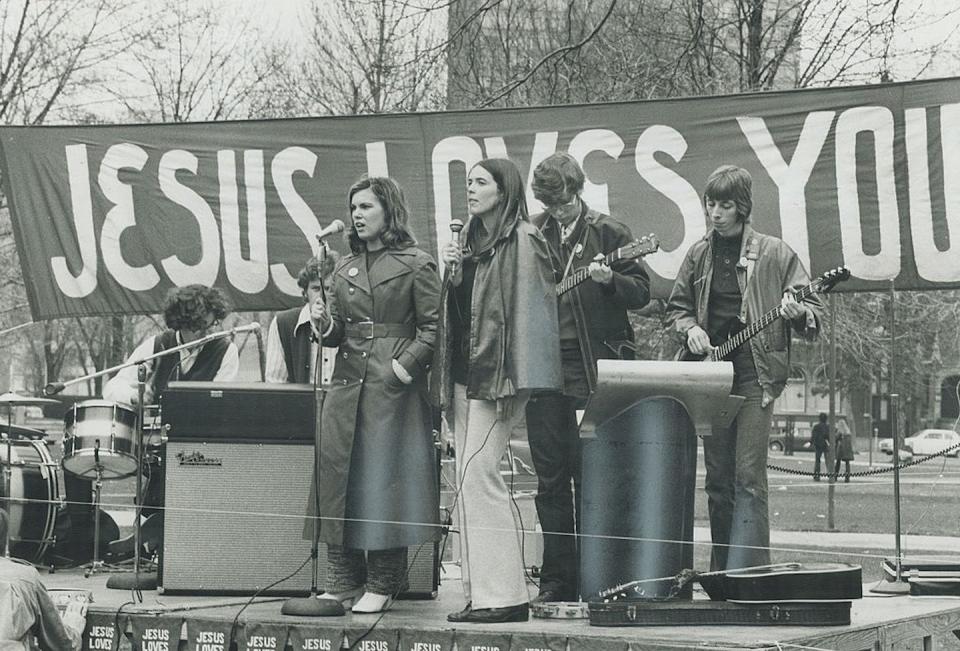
(886,446)
(932,441)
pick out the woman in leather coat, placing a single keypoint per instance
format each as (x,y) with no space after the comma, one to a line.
(499,340)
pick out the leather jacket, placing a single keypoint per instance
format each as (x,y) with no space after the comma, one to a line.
(514,330)
(600,311)
(766,269)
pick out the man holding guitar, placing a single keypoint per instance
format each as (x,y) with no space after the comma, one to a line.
(602,279)
(727,282)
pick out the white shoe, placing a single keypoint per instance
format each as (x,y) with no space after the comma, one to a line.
(371,602)
(345,598)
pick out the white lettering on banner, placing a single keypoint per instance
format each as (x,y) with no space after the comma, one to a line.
(315,644)
(156,645)
(596,194)
(156,634)
(447,151)
(878,121)
(248,275)
(260,642)
(121,217)
(675,188)
(377,159)
(791,178)
(544,144)
(204,271)
(374,645)
(932,263)
(425,646)
(282,168)
(78,175)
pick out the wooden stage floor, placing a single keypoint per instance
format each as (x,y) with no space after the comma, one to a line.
(877,622)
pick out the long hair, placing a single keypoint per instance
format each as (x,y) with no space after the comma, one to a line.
(396,233)
(511,209)
(186,308)
(731,183)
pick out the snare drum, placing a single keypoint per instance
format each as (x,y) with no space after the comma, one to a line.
(100,431)
(34,498)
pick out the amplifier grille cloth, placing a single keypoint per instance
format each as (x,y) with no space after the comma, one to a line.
(235,517)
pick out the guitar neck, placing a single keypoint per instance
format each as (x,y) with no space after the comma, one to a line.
(581,274)
(571,281)
(754,328)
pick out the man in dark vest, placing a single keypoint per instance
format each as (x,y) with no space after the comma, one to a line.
(292,340)
(190,313)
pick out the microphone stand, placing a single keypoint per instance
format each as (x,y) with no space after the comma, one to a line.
(311,606)
(148,581)
(54,388)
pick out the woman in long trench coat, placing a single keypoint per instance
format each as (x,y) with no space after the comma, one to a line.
(377,489)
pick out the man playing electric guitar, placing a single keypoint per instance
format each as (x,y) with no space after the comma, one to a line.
(593,325)
(728,280)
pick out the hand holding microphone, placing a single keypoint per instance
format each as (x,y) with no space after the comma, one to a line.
(452,252)
(319,319)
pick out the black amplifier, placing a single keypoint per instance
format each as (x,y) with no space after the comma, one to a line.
(236,411)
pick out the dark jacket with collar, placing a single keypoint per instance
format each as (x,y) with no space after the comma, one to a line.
(773,268)
(599,311)
(514,331)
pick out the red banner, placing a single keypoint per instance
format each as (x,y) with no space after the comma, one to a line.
(108,218)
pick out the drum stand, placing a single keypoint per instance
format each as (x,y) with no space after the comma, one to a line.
(96,564)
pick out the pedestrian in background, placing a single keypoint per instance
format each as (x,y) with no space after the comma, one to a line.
(821,442)
(844,449)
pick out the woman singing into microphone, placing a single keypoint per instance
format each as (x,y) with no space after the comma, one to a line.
(499,340)
(377,487)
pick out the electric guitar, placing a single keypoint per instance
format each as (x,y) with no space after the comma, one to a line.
(821,285)
(636,249)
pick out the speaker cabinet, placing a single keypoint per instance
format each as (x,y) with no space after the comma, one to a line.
(234,521)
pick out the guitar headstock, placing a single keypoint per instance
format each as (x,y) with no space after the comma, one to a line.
(827,281)
(638,248)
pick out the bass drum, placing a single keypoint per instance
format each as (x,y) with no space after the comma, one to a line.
(34,498)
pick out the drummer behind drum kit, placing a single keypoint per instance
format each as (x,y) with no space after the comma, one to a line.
(99,443)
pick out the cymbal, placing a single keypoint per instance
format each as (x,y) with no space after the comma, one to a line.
(16,400)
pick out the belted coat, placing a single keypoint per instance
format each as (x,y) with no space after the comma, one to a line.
(377,458)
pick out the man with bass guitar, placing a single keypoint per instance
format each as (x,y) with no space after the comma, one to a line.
(601,280)
(727,281)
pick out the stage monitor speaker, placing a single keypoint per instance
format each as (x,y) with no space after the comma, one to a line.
(234,522)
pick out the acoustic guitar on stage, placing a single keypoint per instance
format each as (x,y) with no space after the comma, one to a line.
(636,249)
(778,583)
(823,284)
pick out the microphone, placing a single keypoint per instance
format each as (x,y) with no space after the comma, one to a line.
(53,388)
(250,327)
(336,226)
(456,228)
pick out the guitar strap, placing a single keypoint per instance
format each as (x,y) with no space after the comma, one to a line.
(751,254)
(577,249)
